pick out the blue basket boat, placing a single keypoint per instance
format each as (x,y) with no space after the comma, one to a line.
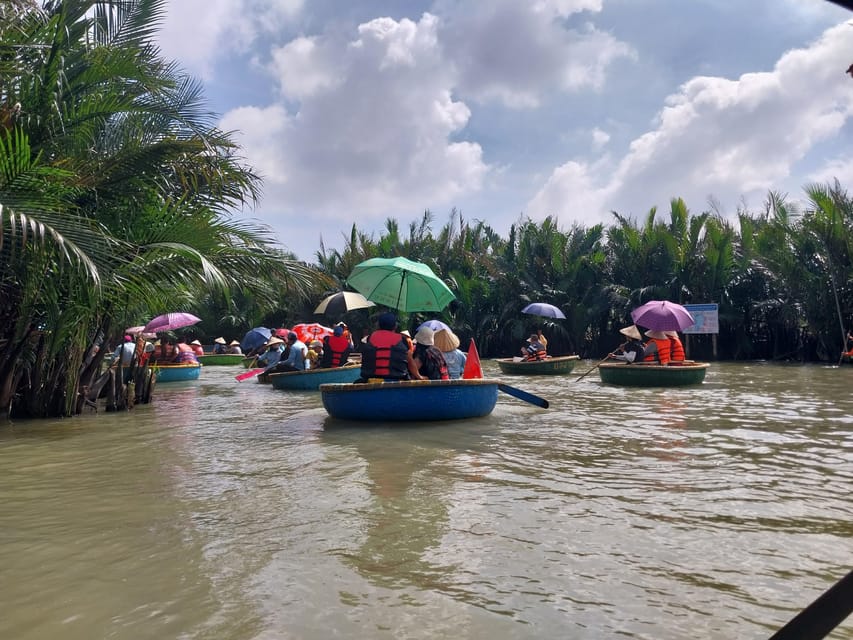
(177,372)
(412,401)
(312,379)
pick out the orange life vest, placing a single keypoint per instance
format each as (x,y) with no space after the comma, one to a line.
(537,355)
(336,351)
(676,349)
(659,352)
(385,355)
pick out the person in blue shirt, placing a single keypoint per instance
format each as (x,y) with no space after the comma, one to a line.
(123,354)
(448,343)
(272,355)
(296,358)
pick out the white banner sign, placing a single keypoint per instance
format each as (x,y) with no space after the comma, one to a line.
(706,318)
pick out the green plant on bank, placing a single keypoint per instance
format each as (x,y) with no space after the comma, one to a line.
(115,196)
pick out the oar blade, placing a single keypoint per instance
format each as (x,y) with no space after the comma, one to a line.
(249,374)
(524,395)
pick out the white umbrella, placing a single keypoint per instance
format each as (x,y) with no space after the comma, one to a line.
(341,302)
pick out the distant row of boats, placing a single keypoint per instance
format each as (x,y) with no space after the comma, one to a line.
(432,400)
(641,374)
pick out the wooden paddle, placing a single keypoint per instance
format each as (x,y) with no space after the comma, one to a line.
(584,375)
(524,395)
(821,616)
(249,374)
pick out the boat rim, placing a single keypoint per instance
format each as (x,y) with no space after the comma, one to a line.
(407,384)
(547,359)
(320,370)
(655,367)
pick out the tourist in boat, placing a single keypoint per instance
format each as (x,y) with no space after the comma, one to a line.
(542,339)
(533,350)
(296,358)
(657,348)
(345,332)
(632,349)
(385,353)
(448,343)
(315,354)
(219,346)
(198,350)
(234,348)
(147,353)
(848,345)
(273,352)
(676,348)
(123,354)
(185,354)
(428,358)
(336,348)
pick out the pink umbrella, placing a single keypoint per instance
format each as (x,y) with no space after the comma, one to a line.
(133,331)
(170,322)
(662,315)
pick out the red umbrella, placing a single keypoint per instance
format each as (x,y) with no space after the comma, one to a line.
(281,333)
(308,331)
(170,322)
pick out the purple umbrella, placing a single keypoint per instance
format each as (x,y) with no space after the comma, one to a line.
(435,325)
(170,322)
(662,315)
(543,309)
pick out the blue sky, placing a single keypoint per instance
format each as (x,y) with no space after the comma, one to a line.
(364,110)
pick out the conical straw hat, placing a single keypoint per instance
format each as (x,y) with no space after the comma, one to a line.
(446,340)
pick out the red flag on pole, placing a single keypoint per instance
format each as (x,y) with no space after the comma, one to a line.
(472,364)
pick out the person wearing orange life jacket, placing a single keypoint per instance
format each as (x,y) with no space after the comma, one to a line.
(336,349)
(676,348)
(533,350)
(385,354)
(657,348)
(197,347)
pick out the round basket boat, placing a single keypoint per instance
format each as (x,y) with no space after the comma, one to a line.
(220,359)
(411,401)
(177,372)
(311,379)
(652,375)
(556,366)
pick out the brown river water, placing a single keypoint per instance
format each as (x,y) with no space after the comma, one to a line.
(229,510)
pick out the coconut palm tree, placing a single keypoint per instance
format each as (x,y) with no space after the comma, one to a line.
(116,193)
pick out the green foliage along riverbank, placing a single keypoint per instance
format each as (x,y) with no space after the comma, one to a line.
(781,276)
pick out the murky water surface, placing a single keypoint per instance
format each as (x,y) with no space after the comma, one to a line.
(233,511)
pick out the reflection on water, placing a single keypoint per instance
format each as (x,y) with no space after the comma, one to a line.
(231,510)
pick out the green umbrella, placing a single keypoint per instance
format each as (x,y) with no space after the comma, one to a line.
(400,284)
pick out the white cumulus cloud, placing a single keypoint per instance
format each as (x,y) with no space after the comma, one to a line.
(716,136)
(371,133)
